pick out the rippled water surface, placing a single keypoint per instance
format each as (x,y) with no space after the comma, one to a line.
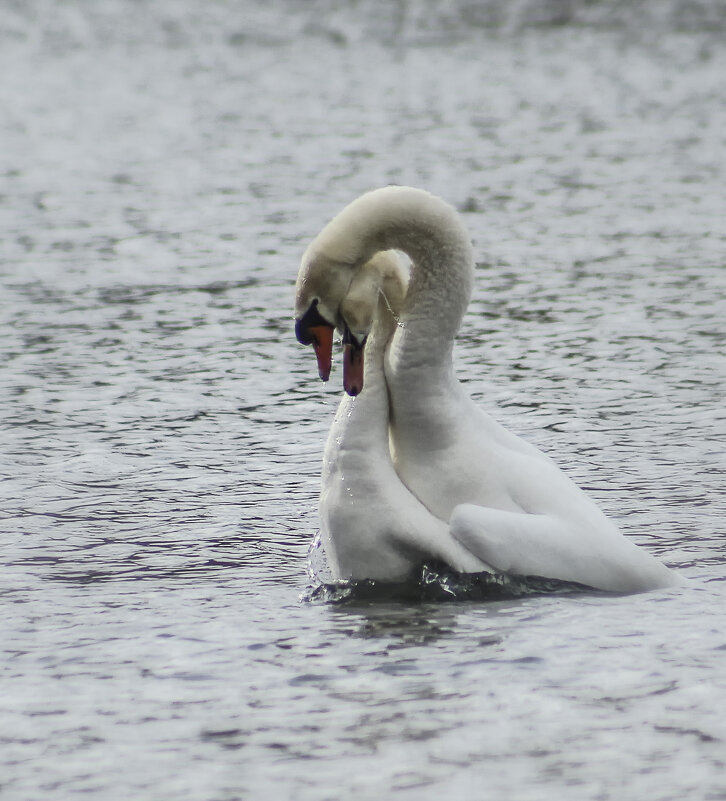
(163,167)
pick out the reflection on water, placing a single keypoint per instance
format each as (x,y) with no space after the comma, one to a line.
(401,626)
(161,430)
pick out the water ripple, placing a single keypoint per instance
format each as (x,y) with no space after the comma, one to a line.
(162,431)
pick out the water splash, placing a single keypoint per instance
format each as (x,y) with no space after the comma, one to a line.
(433,582)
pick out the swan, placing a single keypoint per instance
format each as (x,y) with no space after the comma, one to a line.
(371,526)
(505,501)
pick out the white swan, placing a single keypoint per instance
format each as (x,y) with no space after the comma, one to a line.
(520,513)
(371,526)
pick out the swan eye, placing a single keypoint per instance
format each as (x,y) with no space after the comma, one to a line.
(349,338)
(310,320)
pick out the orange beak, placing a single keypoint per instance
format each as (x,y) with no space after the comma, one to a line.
(322,337)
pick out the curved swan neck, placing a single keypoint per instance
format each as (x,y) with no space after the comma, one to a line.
(424,227)
(375,391)
(364,437)
(431,233)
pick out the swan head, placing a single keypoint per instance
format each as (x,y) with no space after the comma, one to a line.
(321,286)
(368,311)
(357,313)
(333,294)
(326,271)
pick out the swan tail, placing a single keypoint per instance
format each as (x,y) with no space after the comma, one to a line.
(538,545)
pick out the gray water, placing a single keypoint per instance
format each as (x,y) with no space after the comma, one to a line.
(163,166)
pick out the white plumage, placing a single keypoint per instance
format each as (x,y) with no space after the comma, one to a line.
(502,499)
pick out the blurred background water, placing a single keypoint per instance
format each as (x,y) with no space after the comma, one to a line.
(162,167)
